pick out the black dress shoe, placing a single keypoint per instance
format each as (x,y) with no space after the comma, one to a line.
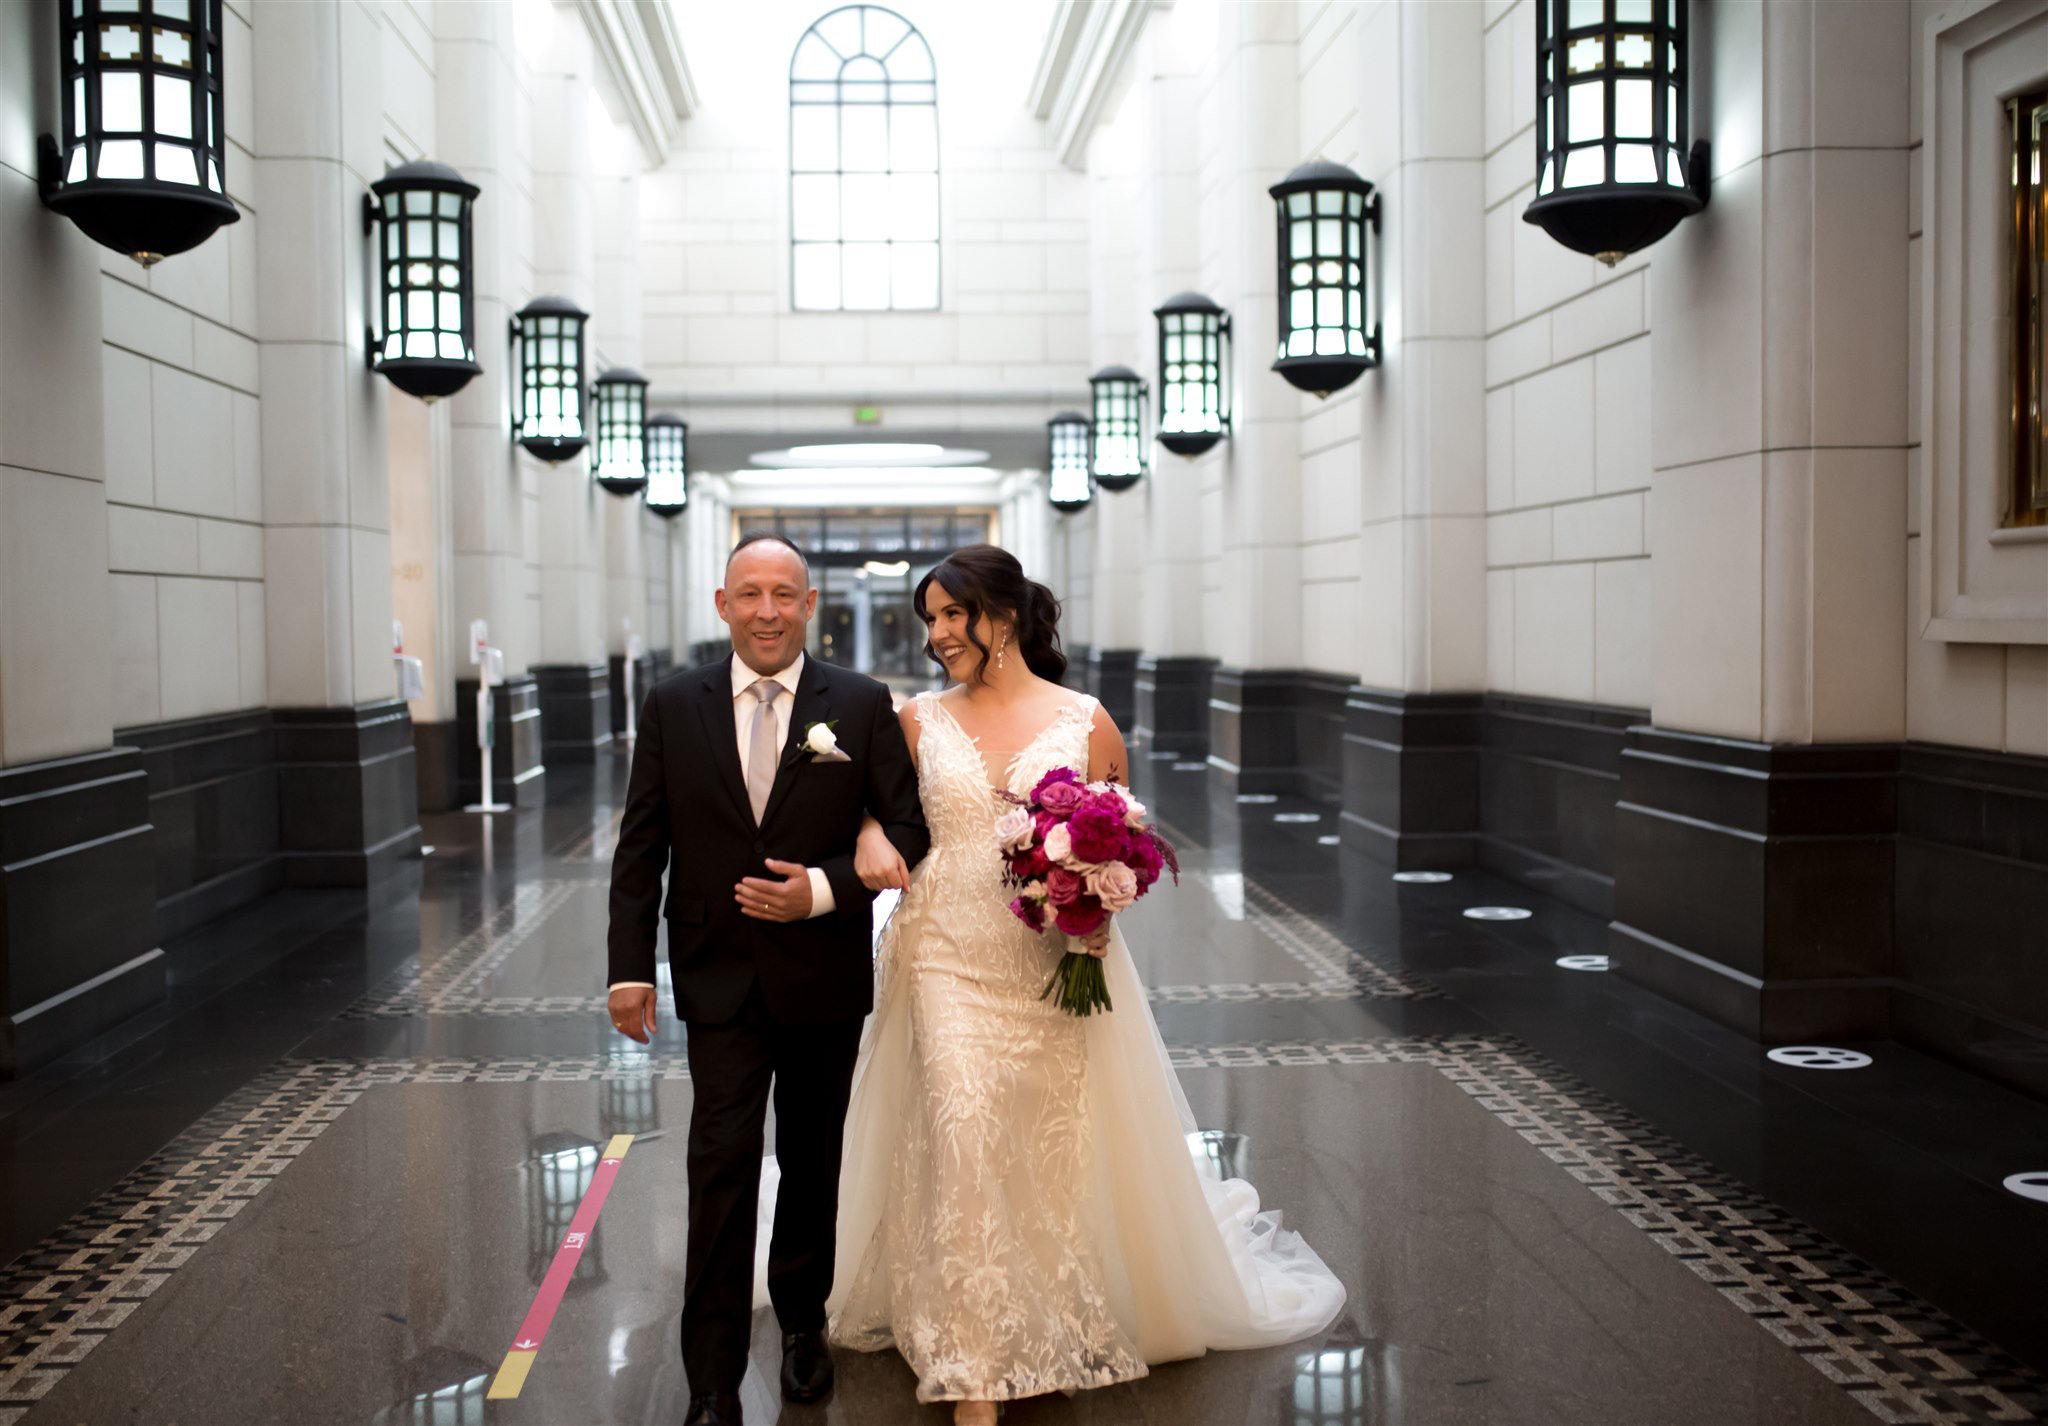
(806,1366)
(714,1409)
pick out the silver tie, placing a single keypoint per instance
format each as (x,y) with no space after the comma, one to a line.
(761,746)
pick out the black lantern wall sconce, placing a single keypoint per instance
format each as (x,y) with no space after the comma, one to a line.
(422,329)
(620,398)
(1116,446)
(1614,172)
(1329,325)
(1068,484)
(1194,373)
(547,397)
(668,465)
(139,162)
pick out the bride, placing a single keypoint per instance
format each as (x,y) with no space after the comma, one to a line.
(1020,1210)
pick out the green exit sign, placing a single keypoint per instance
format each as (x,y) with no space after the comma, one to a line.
(867,415)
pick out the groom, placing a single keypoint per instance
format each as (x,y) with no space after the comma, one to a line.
(754,813)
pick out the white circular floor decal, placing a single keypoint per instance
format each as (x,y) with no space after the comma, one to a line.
(1189,767)
(1297,816)
(1583,962)
(1422,878)
(1498,913)
(1258,799)
(1819,1057)
(2029,1185)
(1331,841)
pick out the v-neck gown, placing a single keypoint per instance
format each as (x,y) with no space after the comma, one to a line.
(1022,1208)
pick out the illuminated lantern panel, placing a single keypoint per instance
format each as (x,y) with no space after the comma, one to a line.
(620,398)
(1117,450)
(1194,369)
(426,279)
(138,164)
(1614,170)
(668,465)
(1068,484)
(1329,327)
(547,405)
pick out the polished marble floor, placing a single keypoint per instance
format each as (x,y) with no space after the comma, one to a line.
(324,1181)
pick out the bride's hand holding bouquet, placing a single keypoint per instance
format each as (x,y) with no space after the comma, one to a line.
(1078,853)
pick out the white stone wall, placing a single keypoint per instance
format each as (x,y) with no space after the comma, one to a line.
(180,383)
(1567,423)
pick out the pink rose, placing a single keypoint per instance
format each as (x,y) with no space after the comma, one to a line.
(1014,830)
(1113,884)
(1059,845)
(1061,798)
(1096,830)
(1063,887)
(1134,812)
(1083,918)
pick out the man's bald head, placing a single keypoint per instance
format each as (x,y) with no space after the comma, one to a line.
(768,543)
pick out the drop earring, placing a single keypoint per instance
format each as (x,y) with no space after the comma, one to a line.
(1001,643)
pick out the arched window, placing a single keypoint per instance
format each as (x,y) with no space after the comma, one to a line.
(863,165)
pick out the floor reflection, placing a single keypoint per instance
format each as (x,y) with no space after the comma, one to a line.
(1347,1381)
(459,1400)
(557,1176)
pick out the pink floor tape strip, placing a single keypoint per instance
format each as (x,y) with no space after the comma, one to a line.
(533,1331)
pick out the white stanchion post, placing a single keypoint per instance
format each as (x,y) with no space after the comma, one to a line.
(631,659)
(490,664)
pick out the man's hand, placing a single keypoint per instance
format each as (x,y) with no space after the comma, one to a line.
(632,1012)
(788,899)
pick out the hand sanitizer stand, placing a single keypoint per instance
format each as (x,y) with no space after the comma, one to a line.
(490,664)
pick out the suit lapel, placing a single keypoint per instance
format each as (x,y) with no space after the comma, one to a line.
(715,707)
(811,705)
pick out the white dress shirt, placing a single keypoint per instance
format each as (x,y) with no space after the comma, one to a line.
(780,708)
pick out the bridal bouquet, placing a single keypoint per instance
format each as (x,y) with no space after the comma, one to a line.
(1078,852)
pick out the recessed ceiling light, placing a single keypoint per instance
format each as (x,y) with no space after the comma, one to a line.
(844,455)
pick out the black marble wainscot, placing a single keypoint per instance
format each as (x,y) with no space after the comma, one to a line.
(1112,676)
(348,794)
(1278,731)
(1172,705)
(1971,913)
(79,951)
(1754,882)
(575,710)
(213,799)
(643,679)
(1549,776)
(1410,777)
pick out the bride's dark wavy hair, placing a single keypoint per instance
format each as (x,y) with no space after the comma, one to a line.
(988,579)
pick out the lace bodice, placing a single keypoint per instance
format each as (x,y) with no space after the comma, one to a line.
(960,805)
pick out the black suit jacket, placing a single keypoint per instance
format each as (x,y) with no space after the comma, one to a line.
(687,812)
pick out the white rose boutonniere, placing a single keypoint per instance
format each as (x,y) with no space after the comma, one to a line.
(822,744)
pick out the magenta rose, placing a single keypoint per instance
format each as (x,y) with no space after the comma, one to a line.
(1144,859)
(1053,778)
(1084,917)
(1031,913)
(1044,822)
(1097,830)
(1061,798)
(1063,887)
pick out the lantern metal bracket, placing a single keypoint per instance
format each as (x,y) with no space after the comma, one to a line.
(1372,209)
(49,166)
(1699,168)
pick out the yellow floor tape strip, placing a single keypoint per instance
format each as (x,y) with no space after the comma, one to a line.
(511,1377)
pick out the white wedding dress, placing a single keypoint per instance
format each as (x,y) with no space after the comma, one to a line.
(1021,1206)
